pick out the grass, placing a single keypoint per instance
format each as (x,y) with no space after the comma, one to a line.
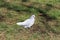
(54,13)
(45,28)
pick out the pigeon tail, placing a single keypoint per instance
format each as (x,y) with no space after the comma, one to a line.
(20,23)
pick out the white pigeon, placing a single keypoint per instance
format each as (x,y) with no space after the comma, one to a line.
(27,23)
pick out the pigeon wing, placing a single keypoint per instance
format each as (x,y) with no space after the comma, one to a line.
(26,22)
(23,23)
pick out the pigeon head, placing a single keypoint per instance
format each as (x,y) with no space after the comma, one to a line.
(33,16)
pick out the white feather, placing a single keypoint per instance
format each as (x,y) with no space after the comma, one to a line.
(27,23)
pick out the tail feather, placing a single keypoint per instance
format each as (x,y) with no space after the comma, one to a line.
(20,23)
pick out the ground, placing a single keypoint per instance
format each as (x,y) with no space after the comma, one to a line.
(47,20)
